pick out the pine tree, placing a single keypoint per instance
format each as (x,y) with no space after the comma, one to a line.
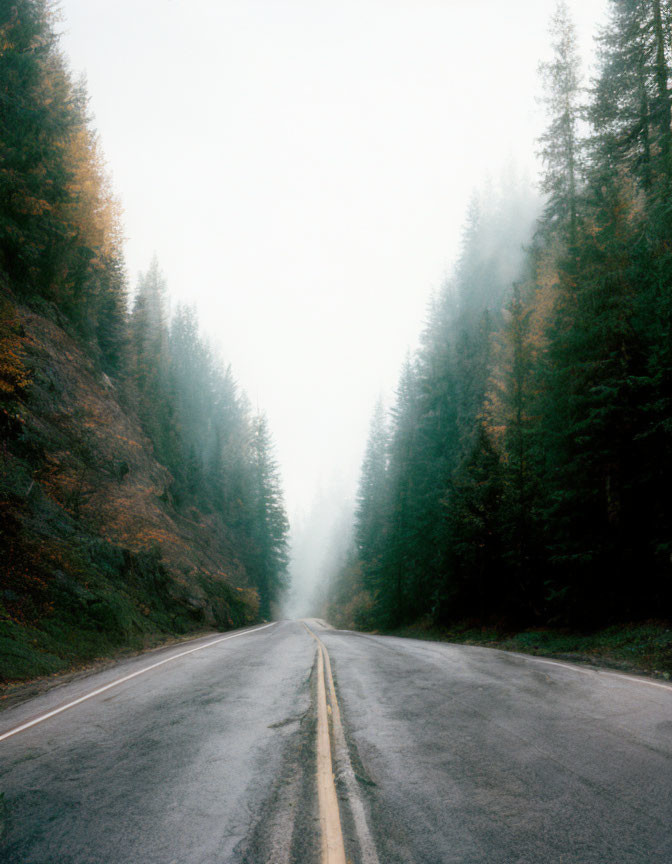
(150,366)
(561,149)
(372,494)
(37,121)
(395,582)
(622,97)
(473,510)
(590,418)
(630,111)
(270,557)
(520,396)
(438,446)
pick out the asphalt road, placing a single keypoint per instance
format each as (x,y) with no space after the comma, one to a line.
(441,753)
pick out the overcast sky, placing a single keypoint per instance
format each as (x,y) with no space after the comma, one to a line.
(302,168)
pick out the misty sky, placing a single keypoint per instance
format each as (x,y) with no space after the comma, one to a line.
(302,169)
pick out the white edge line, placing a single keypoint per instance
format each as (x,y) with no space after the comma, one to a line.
(576,668)
(620,676)
(109,686)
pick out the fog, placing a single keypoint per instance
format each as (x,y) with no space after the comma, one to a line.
(303,170)
(321,539)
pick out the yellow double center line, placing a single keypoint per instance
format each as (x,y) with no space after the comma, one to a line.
(333,851)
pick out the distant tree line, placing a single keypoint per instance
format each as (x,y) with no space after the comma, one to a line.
(523,475)
(61,253)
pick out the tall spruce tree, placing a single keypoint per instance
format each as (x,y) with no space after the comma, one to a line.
(393,583)
(560,148)
(269,557)
(372,494)
(623,97)
(519,394)
(151,367)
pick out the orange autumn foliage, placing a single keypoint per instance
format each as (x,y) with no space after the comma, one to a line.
(14,376)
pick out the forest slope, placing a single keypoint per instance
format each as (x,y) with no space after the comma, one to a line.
(97,554)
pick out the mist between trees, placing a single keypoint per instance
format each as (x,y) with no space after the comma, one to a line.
(522,476)
(219,455)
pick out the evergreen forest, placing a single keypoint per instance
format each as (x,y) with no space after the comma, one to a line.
(522,476)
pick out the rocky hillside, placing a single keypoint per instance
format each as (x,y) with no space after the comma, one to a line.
(96,554)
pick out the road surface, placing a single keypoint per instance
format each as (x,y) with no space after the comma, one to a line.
(297,743)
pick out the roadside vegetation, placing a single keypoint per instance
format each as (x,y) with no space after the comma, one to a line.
(641,647)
